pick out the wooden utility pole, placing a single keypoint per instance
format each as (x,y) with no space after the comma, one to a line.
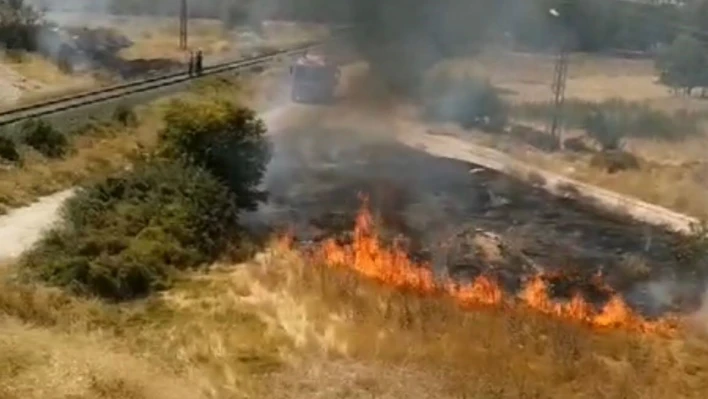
(183,24)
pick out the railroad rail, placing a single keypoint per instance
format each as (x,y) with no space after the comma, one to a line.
(65,103)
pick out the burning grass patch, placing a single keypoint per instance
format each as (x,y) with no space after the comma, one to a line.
(494,351)
(392,266)
(282,326)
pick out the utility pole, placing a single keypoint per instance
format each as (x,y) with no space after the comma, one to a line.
(183,25)
(560,77)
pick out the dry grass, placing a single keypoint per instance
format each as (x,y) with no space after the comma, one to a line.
(48,93)
(160,39)
(45,364)
(95,154)
(38,71)
(281,328)
(670,181)
(201,340)
(441,352)
(528,78)
(29,77)
(108,149)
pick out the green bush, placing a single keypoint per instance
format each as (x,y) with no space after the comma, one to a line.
(125,115)
(607,128)
(470,102)
(8,150)
(130,235)
(44,138)
(637,119)
(225,139)
(127,236)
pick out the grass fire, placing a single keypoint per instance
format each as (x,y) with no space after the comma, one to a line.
(368,256)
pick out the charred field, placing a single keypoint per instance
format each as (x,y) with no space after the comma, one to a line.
(464,221)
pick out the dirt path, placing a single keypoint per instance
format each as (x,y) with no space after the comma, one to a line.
(10,93)
(22,227)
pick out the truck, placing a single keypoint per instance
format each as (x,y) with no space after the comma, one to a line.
(314,78)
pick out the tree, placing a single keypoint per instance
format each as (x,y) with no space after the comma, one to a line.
(225,139)
(682,64)
(19,23)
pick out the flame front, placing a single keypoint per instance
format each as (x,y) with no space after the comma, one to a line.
(392,267)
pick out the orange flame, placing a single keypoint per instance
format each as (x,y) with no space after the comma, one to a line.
(393,267)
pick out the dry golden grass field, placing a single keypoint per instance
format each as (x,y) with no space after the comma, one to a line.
(158,38)
(289,325)
(281,326)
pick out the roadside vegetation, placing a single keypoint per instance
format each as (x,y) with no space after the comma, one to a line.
(38,159)
(176,209)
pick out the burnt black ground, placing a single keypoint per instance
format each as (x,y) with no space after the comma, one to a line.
(444,206)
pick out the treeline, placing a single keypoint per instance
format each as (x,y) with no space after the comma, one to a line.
(593,25)
(19,25)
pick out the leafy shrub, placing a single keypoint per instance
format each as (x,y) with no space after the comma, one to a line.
(125,115)
(44,138)
(127,236)
(606,128)
(225,139)
(8,150)
(470,102)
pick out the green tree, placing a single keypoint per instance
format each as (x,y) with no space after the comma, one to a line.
(682,65)
(19,23)
(226,139)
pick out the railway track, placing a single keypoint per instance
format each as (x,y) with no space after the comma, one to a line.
(66,103)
